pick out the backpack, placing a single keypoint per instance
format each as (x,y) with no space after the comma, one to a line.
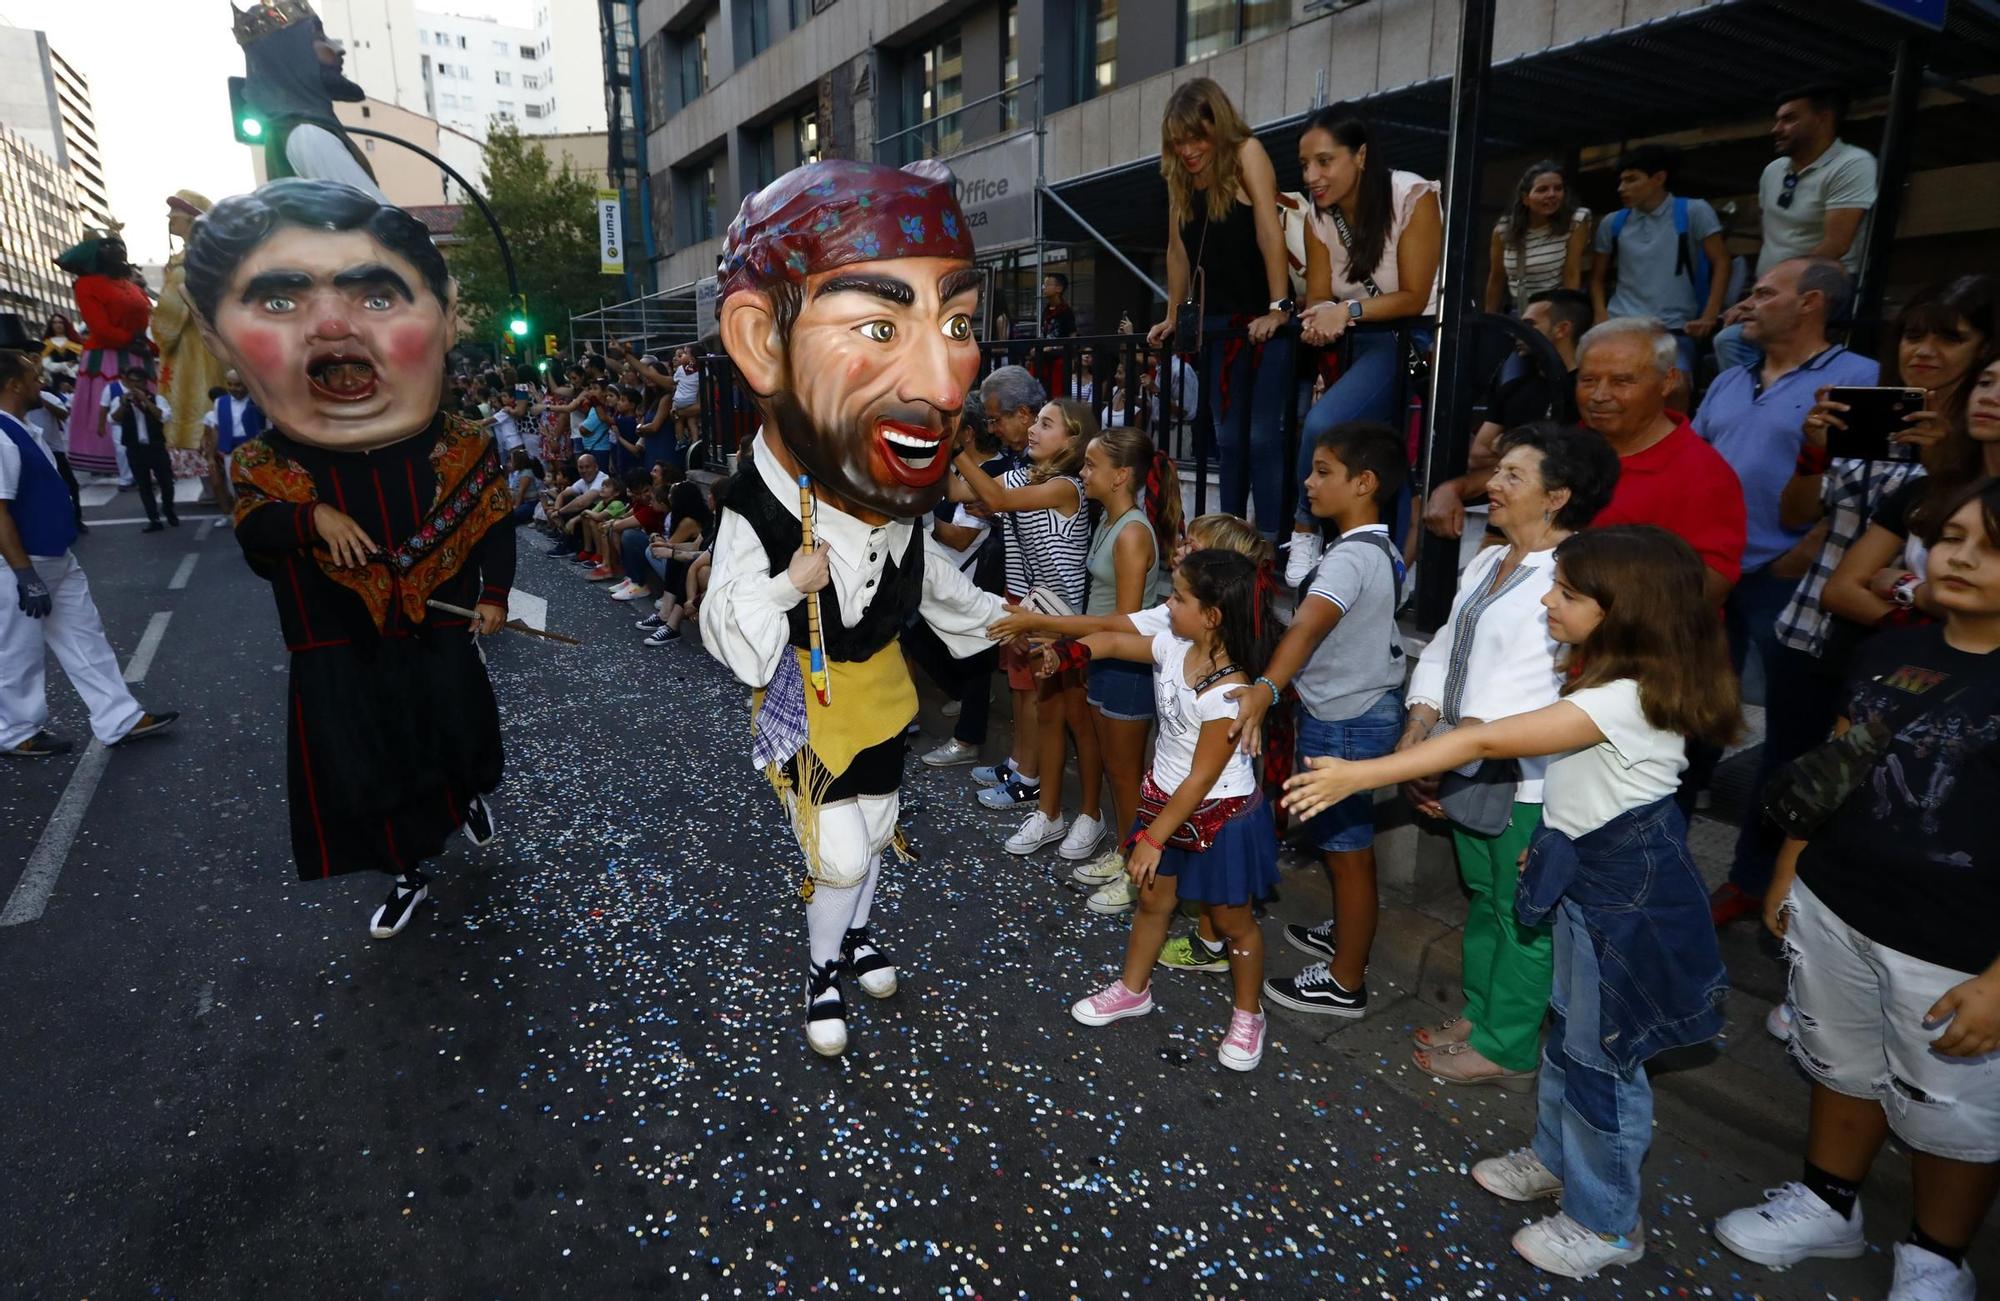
(1690,259)
(1397,569)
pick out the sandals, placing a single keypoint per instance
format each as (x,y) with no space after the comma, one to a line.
(1453,1030)
(1463,1064)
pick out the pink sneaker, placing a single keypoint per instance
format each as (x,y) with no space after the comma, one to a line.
(1113,1003)
(1243,1047)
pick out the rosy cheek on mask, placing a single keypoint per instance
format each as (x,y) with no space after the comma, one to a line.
(261,348)
(413,345)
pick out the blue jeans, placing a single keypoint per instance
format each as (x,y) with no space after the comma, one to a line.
(1366,390)
(1255,417)
(1350,824)
(1593,1124)
(1732,349)
(1750,616)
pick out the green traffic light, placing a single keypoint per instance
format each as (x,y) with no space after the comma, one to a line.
(519,326)
(542,365)
(252,128)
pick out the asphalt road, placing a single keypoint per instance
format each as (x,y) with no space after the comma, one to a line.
(580,1072)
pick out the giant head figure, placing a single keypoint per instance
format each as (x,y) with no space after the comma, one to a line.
(336,310)
(847,301)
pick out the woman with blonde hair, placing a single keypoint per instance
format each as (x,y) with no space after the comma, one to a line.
(1226,259)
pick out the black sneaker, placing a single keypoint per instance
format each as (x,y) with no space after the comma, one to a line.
(663,635)
(479,826)
(1315,941)
(1315,990)
(410,889)
(149,725)
(826,1010)
(42,745)
(650,622)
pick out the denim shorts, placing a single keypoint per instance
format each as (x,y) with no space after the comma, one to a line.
(1350,824)
(1122,690)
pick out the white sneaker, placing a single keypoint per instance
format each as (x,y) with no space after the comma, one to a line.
(1117,895)
(1780,1022)
(1926,1276)
(1560,1245)
(1518,1176)
(1302,555)
(629,593)
(1040,829)
(1085,835)
(1792,1225)
(951,708)
(951,752)
(1107,866)
(826,1012)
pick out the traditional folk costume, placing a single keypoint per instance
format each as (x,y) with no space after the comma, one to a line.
(837,767)
(117,312)
(392,731)
(293,93)
(188,370)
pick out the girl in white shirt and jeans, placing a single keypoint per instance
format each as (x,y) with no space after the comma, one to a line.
(1637,970)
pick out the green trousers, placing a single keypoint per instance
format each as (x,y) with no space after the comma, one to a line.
(1508,966)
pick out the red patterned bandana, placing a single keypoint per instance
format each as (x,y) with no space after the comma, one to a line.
(831,213)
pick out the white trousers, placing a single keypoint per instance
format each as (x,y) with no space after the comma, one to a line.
(74,632)
(852,835)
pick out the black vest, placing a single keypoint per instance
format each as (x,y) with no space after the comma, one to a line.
(896,598)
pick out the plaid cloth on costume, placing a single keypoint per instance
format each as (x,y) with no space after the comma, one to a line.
(1850,491)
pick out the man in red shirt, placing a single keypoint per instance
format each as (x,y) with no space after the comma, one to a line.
(1667,475)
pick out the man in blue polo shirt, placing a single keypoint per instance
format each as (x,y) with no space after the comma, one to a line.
(1755,415)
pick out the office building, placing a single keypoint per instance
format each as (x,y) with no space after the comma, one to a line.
(45,101)
(40,216)
(468,72)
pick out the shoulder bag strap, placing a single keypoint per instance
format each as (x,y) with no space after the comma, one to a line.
(1347,242)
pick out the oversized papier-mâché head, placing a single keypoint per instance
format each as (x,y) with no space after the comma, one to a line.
(847,299)
(335,308)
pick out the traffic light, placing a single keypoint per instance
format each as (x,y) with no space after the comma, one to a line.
(244,119)
(543,365)
(548,345)
(517,325)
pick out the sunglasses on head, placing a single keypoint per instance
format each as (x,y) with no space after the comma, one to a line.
(1791,185)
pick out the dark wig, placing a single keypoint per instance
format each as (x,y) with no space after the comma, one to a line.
(229,231)
(1226,582)
(1374,199)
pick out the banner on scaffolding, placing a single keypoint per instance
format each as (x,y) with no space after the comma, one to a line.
(996,187)
(610,234)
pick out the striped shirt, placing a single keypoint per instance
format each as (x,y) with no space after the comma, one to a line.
(1045,548)
(1538,264)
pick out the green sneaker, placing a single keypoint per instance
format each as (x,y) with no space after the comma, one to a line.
(1185,953)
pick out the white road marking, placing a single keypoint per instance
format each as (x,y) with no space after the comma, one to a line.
(45,864)
(141,519)
(207,526)
(98,494)
(149,645)
(529,609)
(181,575)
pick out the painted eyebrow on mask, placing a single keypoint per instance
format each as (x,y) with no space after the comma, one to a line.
(884,287)
(958,282)
(374,275)
(266,283)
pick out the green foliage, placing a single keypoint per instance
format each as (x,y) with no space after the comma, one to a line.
(549,217)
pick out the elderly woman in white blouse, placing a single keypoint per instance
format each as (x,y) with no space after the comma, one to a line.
(1494,657)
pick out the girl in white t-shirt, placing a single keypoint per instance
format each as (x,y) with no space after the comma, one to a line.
(1636,967)
(1204,832)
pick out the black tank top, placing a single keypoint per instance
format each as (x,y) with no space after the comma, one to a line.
(1235,266)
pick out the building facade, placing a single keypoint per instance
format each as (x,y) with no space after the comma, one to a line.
(467,73)
(46,102)
(40,216)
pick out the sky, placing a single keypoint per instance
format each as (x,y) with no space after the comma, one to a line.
(159,72)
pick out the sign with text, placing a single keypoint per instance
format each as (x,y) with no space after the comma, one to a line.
(610,234)
(1928,12)
(706,291)
(996,187)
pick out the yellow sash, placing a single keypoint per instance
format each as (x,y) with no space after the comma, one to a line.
(873,700)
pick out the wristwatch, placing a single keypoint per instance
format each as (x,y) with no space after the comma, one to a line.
(1904,593)
(1354,309)
(1285,305)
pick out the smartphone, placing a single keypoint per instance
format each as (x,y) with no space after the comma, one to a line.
(1873,417)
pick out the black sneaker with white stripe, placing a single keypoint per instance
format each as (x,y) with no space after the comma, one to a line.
(1315,990)
(826,1010)
(1314,941)
(410,889)
(479,826)
(875,973)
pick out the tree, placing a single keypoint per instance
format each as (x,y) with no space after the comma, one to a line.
(550,219)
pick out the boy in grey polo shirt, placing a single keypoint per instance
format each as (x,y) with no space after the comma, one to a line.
(1344,657)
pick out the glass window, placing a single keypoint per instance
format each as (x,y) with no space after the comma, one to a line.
(694,65)
(503,78)
(1211,26)
(461,42)
(535,110)
(805,136)
(1102,31)
(499,47)
(762,164)
(753,27)
(1010,68)
(940,94)
(528,53)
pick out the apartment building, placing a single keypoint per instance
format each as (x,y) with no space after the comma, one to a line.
(46,102)
(40,216)
(731,93)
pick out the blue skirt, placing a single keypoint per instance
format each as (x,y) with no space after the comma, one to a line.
(1241,866)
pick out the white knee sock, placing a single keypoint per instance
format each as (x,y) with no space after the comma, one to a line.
(866,890)
(828,915)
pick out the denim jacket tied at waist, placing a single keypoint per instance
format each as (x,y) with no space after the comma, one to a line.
(1661,979)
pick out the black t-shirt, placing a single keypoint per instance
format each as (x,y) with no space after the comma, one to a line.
(1524,399)
(1058,322)
(1894,512)
(1912,860)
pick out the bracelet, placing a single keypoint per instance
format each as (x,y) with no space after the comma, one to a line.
(1147,836)
(1272,685)
(1812,460)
